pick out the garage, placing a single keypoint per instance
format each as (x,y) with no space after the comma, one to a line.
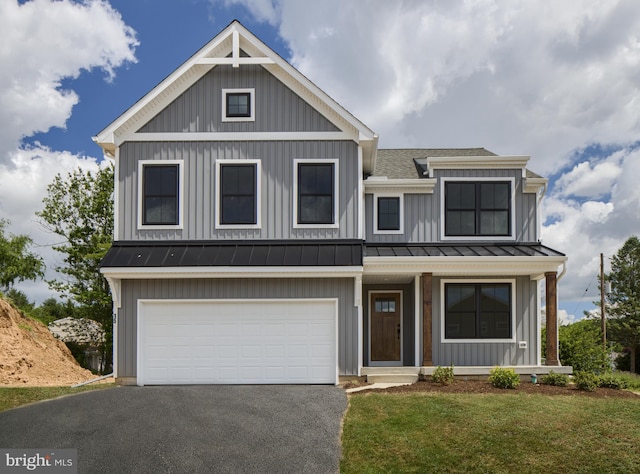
(289,341)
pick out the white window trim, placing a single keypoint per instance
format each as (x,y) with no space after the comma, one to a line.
(510,340)
(252,105)
(141,165)
(376,196)
(382,363)
(218,188)
(336,196)
(443,210)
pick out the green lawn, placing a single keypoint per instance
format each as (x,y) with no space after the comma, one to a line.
(490,433)
(11,397)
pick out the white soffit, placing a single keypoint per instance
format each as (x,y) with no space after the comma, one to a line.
(535,267)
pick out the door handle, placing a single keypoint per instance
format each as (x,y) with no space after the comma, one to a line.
(398,331)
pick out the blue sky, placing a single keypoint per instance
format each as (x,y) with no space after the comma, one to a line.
(557,81)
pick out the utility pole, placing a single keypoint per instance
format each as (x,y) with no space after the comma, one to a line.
(603,317)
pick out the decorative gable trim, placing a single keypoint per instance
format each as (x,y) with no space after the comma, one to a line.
(225,49)
(476,162)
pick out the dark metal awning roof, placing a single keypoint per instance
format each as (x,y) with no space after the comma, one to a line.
(234,254)
(461,250)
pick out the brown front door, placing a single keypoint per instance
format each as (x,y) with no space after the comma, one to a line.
(385,327)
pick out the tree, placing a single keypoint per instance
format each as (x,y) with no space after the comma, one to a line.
(623,306)
(20,300)
(580,346)
(16,262)
(79,208)
(51,309)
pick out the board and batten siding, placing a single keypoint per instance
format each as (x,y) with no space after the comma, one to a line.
(422,212)
(419,220)
(277,108)
(491,353)
(277,163)
(244,289)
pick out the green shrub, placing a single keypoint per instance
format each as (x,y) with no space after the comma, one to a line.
(557,380)
(443,375)
(587,381)
(612,381)
(504,378)
(632,380)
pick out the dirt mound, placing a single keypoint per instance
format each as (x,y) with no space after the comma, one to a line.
(31,356)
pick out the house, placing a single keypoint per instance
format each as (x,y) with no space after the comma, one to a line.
(83,337)
(262,237)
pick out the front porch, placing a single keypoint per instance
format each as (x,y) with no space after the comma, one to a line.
(414,317)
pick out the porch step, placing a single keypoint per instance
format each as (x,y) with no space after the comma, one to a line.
(392,378)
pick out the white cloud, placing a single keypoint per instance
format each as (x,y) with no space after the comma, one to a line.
(545,79)
(584,229)
(587,181)
(42,43)
(565,318)
(538,78)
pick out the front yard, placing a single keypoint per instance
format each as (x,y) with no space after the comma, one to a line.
(12,397)
(510,432)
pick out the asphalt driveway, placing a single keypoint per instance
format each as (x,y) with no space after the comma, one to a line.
(213,428)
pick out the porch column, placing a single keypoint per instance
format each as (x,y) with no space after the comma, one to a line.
(551,285)
(427,320)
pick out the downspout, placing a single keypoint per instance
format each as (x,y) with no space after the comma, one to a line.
(92,380)
(357,293)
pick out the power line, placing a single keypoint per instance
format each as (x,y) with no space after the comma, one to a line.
(585,293)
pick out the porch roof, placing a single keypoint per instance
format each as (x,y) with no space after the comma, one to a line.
(461,250)
(461,259)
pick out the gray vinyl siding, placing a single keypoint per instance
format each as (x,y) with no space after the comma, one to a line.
(277,108)
(248,289)
(408,321)
(492,354)
(277,161)
(422,212)
(420,220)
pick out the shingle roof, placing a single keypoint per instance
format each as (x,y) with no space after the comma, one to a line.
(400,163)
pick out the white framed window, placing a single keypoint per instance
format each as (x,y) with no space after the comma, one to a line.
(388,213)
(315,193)
(237,194)
(160,194)
(477,208)
(477,310)
(238,105)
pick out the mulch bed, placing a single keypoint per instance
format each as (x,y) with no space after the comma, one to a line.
(483,387)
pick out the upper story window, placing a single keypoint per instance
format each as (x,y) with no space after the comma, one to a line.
(159,194)
(315,193)
(478,208)
(478,311)
(238,105)
(387,217)
(238,186)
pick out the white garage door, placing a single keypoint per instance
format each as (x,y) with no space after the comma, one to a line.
(237,342)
